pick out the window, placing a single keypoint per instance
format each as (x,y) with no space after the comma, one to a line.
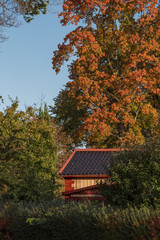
(81,183)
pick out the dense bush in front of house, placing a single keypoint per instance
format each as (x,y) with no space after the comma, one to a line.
(78,221)
(134,176)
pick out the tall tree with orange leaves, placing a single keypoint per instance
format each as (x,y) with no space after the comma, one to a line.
(115,73)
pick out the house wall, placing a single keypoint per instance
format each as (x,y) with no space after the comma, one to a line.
(77,183)
(85,182)
(69,184)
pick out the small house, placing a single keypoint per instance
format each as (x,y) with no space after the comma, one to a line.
(82,172)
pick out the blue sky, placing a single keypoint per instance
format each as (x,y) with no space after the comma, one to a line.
(26,61)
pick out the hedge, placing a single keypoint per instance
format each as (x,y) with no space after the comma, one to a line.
(56,220)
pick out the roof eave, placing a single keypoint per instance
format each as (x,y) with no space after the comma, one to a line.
(86,176)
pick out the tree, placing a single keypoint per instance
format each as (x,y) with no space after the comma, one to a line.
(63,143)
(65,147)
(115,72)
(28,154)
(134,176)
(11,9)
(67,116)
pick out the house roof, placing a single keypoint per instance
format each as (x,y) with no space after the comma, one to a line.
(88,162)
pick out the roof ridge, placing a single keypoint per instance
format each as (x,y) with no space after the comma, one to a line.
(98,149)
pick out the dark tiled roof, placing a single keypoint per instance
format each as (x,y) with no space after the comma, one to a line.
(88,163)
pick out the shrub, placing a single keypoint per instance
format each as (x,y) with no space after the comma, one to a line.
(134,176)
(55,220)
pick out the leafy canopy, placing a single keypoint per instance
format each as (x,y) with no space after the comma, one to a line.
(11,9)
(134,176)
(115,74)
(28,154)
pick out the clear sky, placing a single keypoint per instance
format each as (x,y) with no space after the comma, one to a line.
(26,61)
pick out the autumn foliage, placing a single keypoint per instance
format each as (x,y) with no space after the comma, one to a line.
(115,73)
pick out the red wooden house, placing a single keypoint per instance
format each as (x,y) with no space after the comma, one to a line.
(82,172)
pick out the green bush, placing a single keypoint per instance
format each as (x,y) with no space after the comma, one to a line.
(134,176)
(28,154)
(57,220)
